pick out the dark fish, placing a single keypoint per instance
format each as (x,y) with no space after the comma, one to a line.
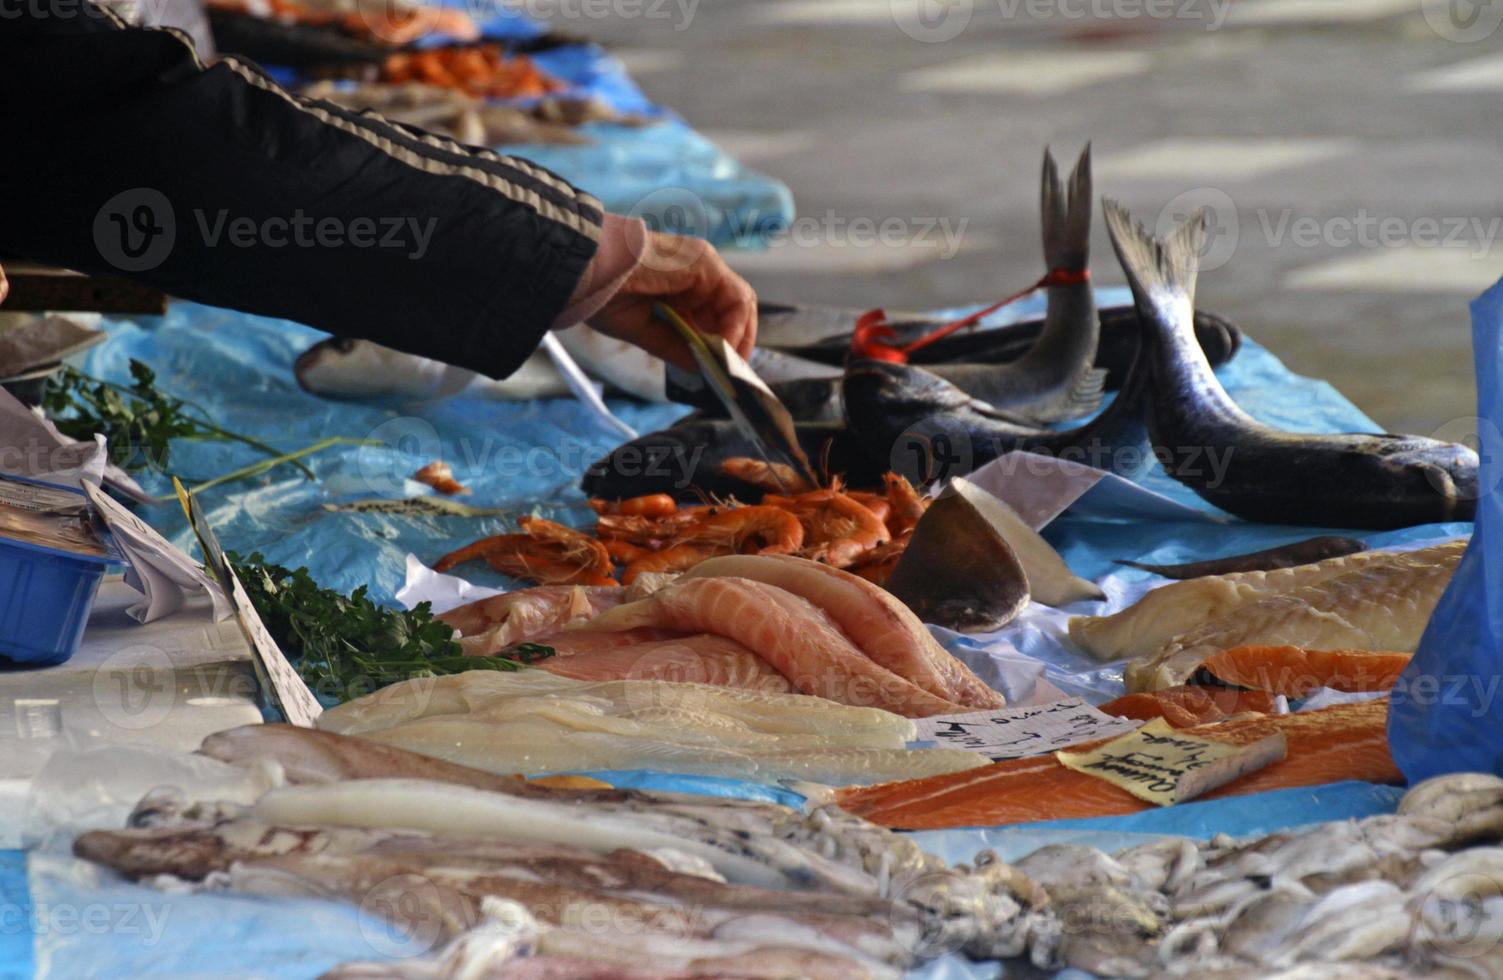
(927,429)
(1284,556)
(1219,338)
(958,571)
(684,461)
(1254,470)
(1056,380)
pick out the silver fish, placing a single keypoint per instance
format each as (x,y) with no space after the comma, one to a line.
(1357,480)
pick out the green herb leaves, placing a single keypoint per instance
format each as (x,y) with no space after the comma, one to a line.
(346,647)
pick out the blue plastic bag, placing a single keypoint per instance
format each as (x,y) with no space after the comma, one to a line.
(1446,714)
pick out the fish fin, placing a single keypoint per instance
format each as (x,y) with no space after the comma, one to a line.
(1161,272)
(1067,213)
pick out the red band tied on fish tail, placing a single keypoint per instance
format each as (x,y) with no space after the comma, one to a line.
(867,340)
(872,329)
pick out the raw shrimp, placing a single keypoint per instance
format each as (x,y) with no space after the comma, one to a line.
(758,530)
(440,477)
(877,563)
(548,553)
(907,504)
(772,477)
(837,527)
(648,505)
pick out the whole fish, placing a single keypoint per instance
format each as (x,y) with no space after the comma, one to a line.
(1253,470)
(1284,556)
(1056,379)
(927,429)
(1219,338)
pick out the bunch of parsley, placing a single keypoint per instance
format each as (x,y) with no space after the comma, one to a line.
(347,646)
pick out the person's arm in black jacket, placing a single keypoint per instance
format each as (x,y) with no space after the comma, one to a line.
(124,154)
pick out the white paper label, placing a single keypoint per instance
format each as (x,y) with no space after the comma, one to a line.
(1013,733)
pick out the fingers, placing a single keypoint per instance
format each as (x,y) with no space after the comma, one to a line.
(689,274)
(4,286)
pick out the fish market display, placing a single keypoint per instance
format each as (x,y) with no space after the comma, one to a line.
(385,24)
(1304,552)
(1056,379)
(1382,607)
(1296,672)
(1170,610)
(1186,706)
(537,722)
(1324,746)
(1343,480)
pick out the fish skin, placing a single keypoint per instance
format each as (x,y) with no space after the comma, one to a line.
(1170,610)
(1219,338)
(930,430)
(344,369)
(1359,480)
(1304,552)
(1379,607)
(880,626)
(1324,746)
(1056,379)
(786,630)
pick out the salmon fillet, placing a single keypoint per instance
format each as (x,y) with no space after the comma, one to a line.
(1186,705)
(792,634)
(699,658)
(1325,746)
(875,621)
(1295,672)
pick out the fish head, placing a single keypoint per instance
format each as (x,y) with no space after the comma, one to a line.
(339,367)
(1427,469)
(900,389)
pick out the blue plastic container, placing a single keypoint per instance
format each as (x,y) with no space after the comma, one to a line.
(45,592)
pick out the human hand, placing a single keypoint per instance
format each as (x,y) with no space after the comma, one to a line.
(4,285)
(689,275)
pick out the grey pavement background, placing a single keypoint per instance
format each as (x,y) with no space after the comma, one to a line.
(1348,149)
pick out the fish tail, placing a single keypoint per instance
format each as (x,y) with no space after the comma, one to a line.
(1161,272)
(1067,213)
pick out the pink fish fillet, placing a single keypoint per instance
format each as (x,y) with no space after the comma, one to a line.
(786,630)
(489,626)
(699,658)
(876,621)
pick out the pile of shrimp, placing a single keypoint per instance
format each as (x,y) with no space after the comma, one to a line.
(863,532)
(480,70)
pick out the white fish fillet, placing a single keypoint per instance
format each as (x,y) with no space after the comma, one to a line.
(542,744)
(881,627)
(1381,605)
(762,711)
(1170,610)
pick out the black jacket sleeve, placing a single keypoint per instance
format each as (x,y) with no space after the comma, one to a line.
(123,154)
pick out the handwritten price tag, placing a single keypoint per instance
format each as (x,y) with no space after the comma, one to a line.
(1012,733)
(1164,766)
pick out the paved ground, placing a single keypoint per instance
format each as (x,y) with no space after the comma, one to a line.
(1348,148)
